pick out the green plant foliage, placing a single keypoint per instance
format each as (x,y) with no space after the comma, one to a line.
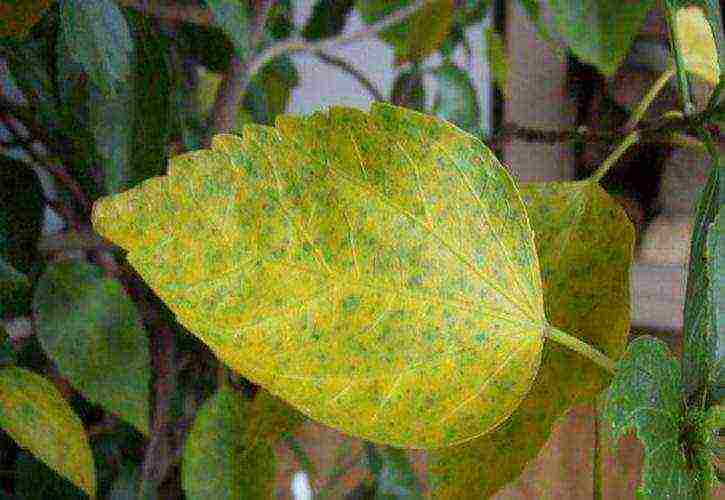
(98,37)
(600,32)
(328,19)
(36,416)
(270,90)
(456,100)
(716,278)
(19,16)
(223,458)
(393,474)
(700,333)
(697,43)
(36,481)
(584,243)
(416,37)
(91,329)
(647,395)
(497,59)
(377,271)
(7,353)
(232,17)
(408,90)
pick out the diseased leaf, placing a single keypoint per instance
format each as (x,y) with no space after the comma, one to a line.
(18,17)
(91,329)
(220,460)
(600,32)
(328,19)
(700,335)
(231,16)
(647,395)
(98,37)
(376,271)
(36,416)
(697,43)
(456,100)
(419,35)
(584,242)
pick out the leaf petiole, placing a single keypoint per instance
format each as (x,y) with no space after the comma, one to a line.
(649,97)
(582,348)
(631,139)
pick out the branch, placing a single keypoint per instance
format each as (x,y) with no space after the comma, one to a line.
(353,71)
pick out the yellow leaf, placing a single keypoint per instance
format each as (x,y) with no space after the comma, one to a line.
(376,270)
(697,43)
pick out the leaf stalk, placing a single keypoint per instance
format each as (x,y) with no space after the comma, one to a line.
(582,348)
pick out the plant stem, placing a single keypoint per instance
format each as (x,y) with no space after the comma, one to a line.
(629,140)
(582,348)
(649,97)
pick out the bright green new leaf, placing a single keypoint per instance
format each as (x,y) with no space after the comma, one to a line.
(584,241)
(456,100)
(36,416)
(697,43)
(92,330)
(416,37)
(221,458)
(700,333)
(98,37)
(647,395)
(376,271)
(600,32)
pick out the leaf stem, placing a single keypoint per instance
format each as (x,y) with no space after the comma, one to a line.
(629,140)
(582,348)
(649,97)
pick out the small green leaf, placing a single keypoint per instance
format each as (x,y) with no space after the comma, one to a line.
(36,416)
(328,19)
(647,395)
(408,90)
(456,100)
(497,59)
(600,32)
(584,241)
(220,460)
(416,37)
(98,37)
(91,329)
(232,17)
(270,90)
(700,334)
(332,260)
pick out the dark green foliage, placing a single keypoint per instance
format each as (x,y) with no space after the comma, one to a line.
(408,90)
(328,19)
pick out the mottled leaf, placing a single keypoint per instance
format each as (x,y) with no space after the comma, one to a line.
(231,16)
(19,16)
(646,395)
(697,43)
(98,37)
(36,416)
(456,100)
(600,32)
(419,35)
(376,271)
(220,460)
(328,19)
(700,338)
(408,90)
(584,241)
(91,329)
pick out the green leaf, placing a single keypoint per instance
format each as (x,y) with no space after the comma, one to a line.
(584,241)
(328,19)
(36,481)
(408,90)
(700,335)
(419,35)
(232,17)
(647,395)
(19,16)
(697,43)
(220,458)
(716,278)
(7,353)
(36,416)
(600,32)
(456,100)
(15,291)
(98,37)
(270,90)
(91,329)
(497,59)
(332,260)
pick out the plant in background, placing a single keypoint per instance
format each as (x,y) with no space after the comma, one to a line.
(379,272)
